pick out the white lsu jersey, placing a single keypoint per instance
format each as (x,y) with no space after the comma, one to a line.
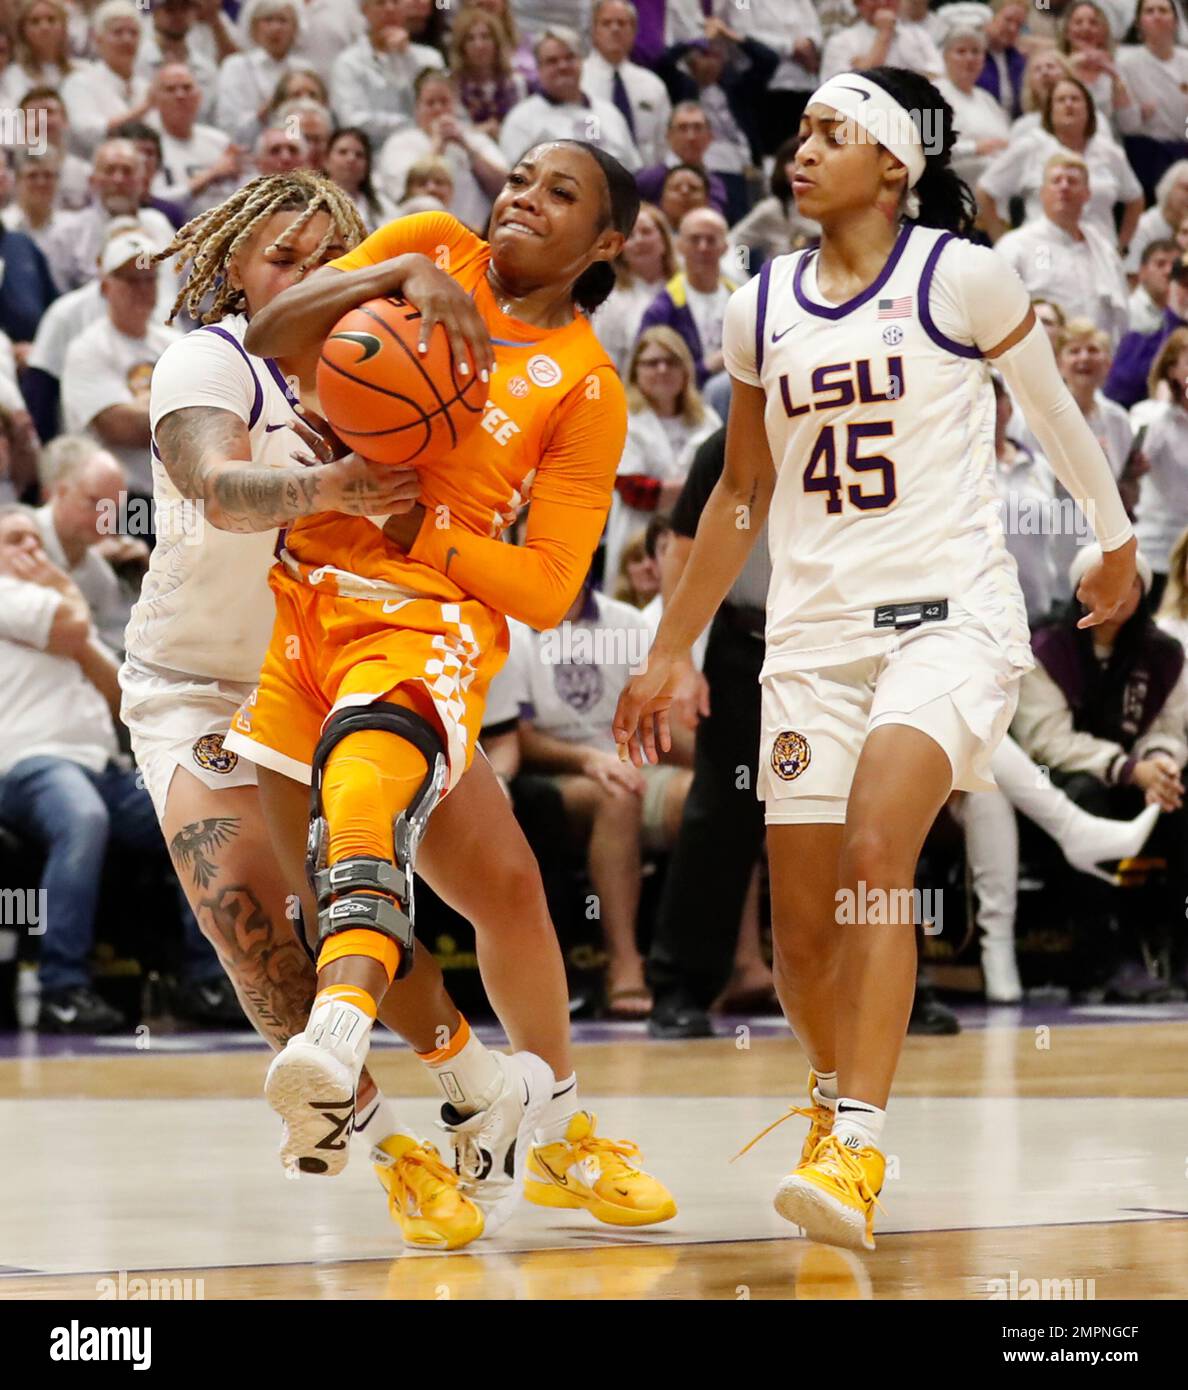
(205,607)
(880,417)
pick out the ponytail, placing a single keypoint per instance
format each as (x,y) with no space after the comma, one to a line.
(945,200)
(593,286)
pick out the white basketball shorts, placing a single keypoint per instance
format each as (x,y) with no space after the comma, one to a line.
(178,720)
(954,683)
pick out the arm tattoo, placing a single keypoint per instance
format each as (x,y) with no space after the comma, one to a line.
(197,442)
(193,845)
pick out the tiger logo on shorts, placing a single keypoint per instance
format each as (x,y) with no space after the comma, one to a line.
(790,755)
(210,754)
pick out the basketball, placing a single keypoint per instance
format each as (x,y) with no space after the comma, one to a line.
(385,399)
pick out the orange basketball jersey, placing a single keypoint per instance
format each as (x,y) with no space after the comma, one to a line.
(552,432)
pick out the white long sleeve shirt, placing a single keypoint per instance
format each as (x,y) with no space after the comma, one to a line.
(374,90)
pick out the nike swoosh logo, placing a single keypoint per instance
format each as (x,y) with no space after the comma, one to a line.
(367,341)
(854,1110)
(390,607)
(450,553)
(775,337)
(268,429)
(864,95)
(527,1092)
(559,1178)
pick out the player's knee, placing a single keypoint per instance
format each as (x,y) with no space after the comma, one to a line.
(872,854)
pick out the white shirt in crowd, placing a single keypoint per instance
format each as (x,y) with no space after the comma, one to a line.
(1025,492)
(781,24)
(1162,511)
(911,47)
(62,323)
(78,238)
(405,148)
(978,117)
(656,447)
(105,367)
(1145,315)
(1152,226)
(42,237)
(374,90)
(204,70)
(94,96)
(708,312)
(197,571)
(181,160)
(51,710)
(1164,85)
(537,118)
(648,96)
(16,82)
(1019,172)
(567,681)
(96,580)
(533,17)
(246,84)
(1084,277)
(328,28)
(616,320)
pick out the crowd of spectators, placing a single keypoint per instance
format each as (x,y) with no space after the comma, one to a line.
(119,121)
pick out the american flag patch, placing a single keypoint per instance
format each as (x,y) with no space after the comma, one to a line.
(900,308)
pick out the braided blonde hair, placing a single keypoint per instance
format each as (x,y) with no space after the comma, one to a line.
(211,240)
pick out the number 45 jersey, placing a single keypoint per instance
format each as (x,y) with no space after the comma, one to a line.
(880,419)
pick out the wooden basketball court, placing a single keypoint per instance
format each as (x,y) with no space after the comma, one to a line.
(1041,1144)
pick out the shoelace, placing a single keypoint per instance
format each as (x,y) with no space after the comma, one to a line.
(847,1169)
(621,1151)
(422,1161)
(814,1113)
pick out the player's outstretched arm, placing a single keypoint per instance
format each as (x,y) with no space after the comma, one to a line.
(733,517)
(207,455)
(302,316)
(1025,359)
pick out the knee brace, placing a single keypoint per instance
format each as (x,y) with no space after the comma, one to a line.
(346,891)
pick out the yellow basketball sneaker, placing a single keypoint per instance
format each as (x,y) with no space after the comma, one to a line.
(423,1195)
(832,1196)
(597,1175)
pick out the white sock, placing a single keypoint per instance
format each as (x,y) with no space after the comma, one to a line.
(340,1027)
(376,1121)
(557,1113)
(466,1070)
(857,1124)
(825,1091)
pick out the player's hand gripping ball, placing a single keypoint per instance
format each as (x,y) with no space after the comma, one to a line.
(385,399)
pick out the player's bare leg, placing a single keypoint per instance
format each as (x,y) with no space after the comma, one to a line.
(612,819)
(223,857)
(902,780)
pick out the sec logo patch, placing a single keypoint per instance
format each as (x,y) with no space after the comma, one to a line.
(543,370)
(892,335)
(518,386)
(210,754)
(790,755)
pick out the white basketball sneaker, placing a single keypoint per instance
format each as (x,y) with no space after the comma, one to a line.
(311,1086)
(491,1148)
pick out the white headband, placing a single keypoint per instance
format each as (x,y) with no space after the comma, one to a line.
(879,114)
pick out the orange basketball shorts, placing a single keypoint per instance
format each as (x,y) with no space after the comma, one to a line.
(330,653)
